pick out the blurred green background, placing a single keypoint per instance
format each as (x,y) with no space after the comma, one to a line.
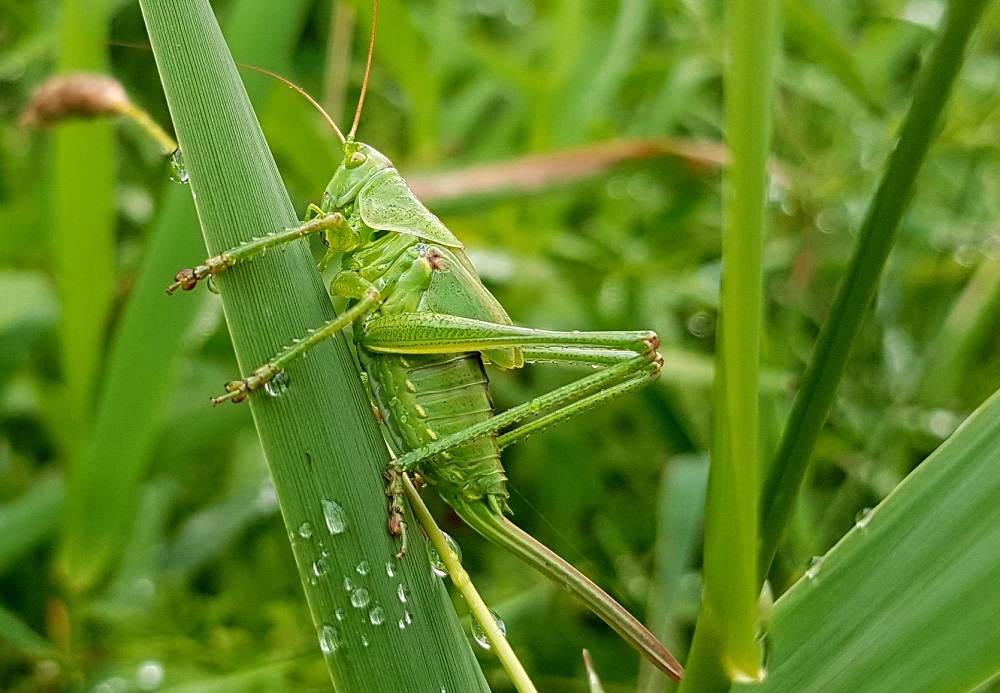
(100,371)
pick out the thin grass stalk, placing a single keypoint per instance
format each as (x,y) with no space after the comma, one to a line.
(724,648)
(478,609)
(857,289)
(83,239)
(382,624)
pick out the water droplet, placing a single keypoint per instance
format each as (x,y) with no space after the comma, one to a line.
(815,563)
(437,564)
(941,422)
(339,613)
(362,568)
(408,617)
(336,518)
(212,285)
(390,569)
(360,598)
(178,173)
(402,593)
(278,385)
(701,324)
(863,517)
(329,639)
(347,584)
(480,635)
(149,676)
(364,641)
(376,616)
(317,568)
(305,530)
(402,624)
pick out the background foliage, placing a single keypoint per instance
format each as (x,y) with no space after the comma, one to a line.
(205,595)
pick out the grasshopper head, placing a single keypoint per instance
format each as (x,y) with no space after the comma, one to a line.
(360,163)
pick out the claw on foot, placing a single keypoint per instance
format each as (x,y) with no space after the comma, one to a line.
(239,390)
(186,279)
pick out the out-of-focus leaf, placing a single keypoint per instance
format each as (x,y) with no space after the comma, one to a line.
(29,519)
(21,635)
(680,515)
(809,32)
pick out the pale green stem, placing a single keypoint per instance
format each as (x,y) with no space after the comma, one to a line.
(481,612)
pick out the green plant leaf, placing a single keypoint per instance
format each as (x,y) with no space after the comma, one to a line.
(811,34)
(905,602)
(29,519)
(21,635)
(83,217)
(319,436)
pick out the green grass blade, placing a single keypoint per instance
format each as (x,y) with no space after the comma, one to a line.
(142,366)
(83,206)
(22,636)
(680,515)
(810,33)
(724,648)
(965,330)
(320,438)
(854,297)
(906,601)
(29,519)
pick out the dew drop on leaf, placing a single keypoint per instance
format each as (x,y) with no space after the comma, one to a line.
(360,598)
(178,172)
(815,563)
(329,639)
(336,518)
(863,517)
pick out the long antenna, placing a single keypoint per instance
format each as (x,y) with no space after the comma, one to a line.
(368,69)
(296,87)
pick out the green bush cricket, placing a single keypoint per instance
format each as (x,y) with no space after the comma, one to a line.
(423,327)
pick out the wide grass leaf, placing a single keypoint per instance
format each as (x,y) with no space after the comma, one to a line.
(906,601)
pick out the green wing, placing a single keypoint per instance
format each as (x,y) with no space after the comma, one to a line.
(455,289)
(387,203)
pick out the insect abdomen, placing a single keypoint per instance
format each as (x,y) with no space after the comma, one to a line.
(426,397)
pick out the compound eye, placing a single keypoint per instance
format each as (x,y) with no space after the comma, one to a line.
(356,159)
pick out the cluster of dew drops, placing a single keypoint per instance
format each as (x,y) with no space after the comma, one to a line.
(330,637)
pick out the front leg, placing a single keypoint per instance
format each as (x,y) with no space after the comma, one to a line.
(349,283)
(334,225)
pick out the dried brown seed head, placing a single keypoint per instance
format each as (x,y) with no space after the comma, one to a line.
(80,95)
